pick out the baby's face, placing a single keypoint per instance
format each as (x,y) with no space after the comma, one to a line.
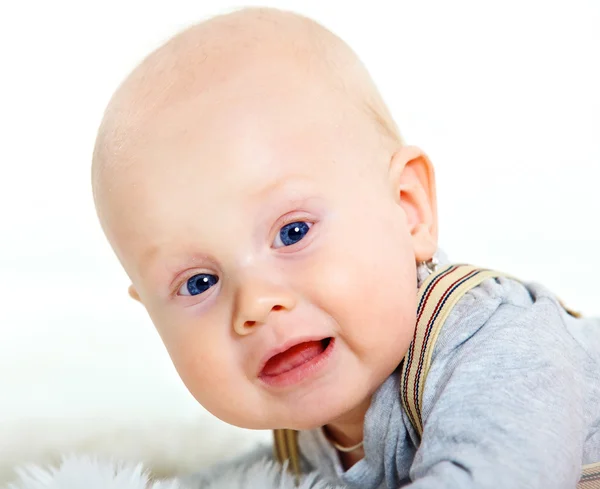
(264,233)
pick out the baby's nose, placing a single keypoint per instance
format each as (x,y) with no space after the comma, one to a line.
(255,301)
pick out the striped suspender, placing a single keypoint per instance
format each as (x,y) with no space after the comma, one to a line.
(285,448)
(437,296)
(590,477)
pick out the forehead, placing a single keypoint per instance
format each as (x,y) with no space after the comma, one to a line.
(248,132)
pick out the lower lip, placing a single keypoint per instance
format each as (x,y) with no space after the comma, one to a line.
(301,372)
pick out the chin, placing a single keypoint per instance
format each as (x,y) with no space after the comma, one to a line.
(308,424)
(320,414)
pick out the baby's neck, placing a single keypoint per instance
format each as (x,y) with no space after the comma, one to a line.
(345,434)
(348,430)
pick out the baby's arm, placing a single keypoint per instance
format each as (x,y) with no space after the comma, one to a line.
(504,407)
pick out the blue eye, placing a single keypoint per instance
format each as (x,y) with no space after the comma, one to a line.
(291,233)
(198,284)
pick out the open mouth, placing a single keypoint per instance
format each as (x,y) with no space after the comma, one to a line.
(295,363)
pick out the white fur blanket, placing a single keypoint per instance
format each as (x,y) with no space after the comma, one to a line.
(89,473)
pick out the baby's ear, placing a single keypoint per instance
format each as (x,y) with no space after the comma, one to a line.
(413,183)
(133,293)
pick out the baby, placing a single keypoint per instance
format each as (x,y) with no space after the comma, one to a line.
(280,234)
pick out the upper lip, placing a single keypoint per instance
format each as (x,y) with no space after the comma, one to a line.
(286,346)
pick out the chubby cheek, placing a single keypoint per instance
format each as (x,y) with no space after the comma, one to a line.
(200,352)
(368,285)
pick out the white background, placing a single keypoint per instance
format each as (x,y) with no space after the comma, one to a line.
(504,97)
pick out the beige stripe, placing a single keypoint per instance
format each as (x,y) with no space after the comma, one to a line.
(279,445)
(292,445)
(591,469)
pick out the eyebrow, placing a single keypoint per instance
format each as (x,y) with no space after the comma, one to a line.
(279,184)
(180,259)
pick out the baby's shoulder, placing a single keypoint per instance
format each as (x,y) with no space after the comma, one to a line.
(505,316)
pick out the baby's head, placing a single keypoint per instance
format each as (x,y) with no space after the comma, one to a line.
(254,186)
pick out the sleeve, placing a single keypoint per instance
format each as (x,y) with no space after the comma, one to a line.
(503,407)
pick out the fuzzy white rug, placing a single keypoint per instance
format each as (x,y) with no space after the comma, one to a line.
(166,447)
(89,473)
(84,472)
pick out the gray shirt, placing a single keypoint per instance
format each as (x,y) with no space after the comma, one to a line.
(512,400)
